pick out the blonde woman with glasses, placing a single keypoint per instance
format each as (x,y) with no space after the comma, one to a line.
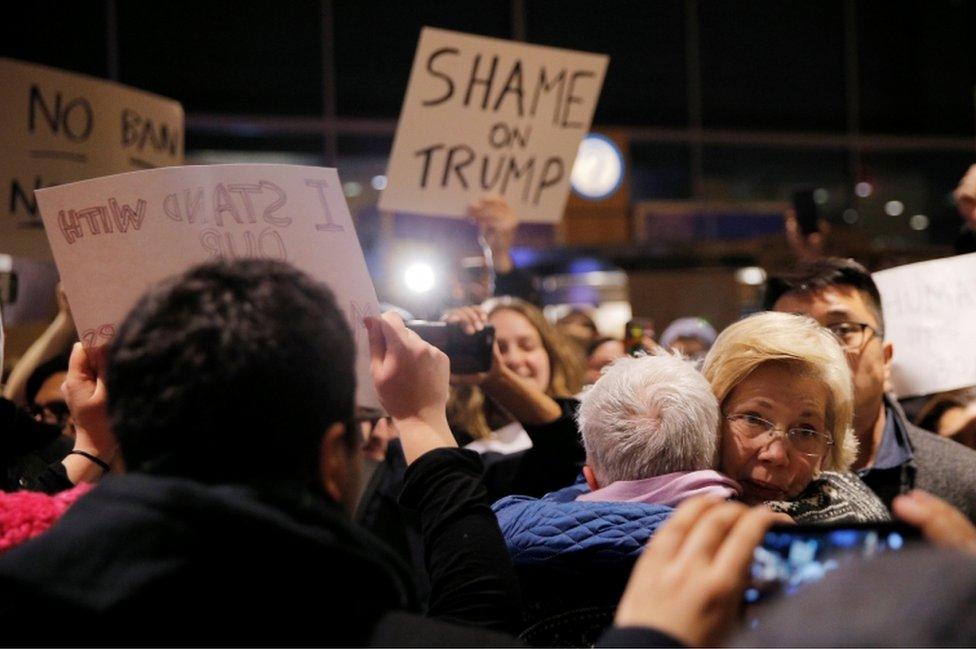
(786,400)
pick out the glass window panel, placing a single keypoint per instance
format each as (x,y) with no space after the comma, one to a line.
(774,65)
(375,44)
(917,67)
(73,40)
(659,171)
(646,80)
(258,57)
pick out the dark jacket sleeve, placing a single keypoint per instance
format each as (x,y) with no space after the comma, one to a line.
(472,580)
(52,480)
(553,462)
(945,468)
(30,452)
(636,636)
(400,629)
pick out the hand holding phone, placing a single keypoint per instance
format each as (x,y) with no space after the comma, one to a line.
(411,379)
(469,353)
(688,582)
(792,557)
(939,522)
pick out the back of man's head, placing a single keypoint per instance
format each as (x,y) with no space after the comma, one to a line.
(649,416)
(231,372)
(826,273)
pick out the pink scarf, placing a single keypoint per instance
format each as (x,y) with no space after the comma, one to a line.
(25,514)
(668,489)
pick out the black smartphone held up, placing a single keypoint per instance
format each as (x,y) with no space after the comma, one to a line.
(469,354)
(792,557)
(806,210)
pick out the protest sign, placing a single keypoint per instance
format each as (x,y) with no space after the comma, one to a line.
(114,237)
(483,115)
(930,317)
(60,127)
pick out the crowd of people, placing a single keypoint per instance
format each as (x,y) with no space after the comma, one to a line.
(207,477)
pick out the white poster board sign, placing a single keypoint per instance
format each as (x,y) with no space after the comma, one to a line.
(61,127)
(114,237)
(484,115)
(930,317)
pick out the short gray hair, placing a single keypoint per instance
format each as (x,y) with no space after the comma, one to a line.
(649,416)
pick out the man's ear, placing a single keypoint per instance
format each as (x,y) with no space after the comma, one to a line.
(334,462)
(590,477)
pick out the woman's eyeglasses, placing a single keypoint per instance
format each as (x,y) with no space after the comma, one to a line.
(806,441)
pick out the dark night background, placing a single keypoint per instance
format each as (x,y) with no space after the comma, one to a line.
(724,100)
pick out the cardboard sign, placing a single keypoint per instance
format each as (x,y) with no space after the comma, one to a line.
(114,237)
(484,115)
(60,127)
(930,317)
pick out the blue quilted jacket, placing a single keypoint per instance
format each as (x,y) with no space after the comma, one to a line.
(558,529)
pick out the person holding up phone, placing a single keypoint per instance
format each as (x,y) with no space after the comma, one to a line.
(920,596)
(520,413)
(806,230)
(687,588)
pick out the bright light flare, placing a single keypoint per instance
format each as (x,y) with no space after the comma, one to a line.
(419,277)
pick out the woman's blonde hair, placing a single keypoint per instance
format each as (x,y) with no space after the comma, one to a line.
(799,342)
(470,412)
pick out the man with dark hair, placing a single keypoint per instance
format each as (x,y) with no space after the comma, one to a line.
(209,369)
(231,390)
(894,456)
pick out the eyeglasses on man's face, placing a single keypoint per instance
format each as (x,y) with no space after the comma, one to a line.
(853,335)
(805,440)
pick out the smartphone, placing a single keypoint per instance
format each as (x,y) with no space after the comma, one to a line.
(792,557)
(806,210)
(469,354)
(634,334)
